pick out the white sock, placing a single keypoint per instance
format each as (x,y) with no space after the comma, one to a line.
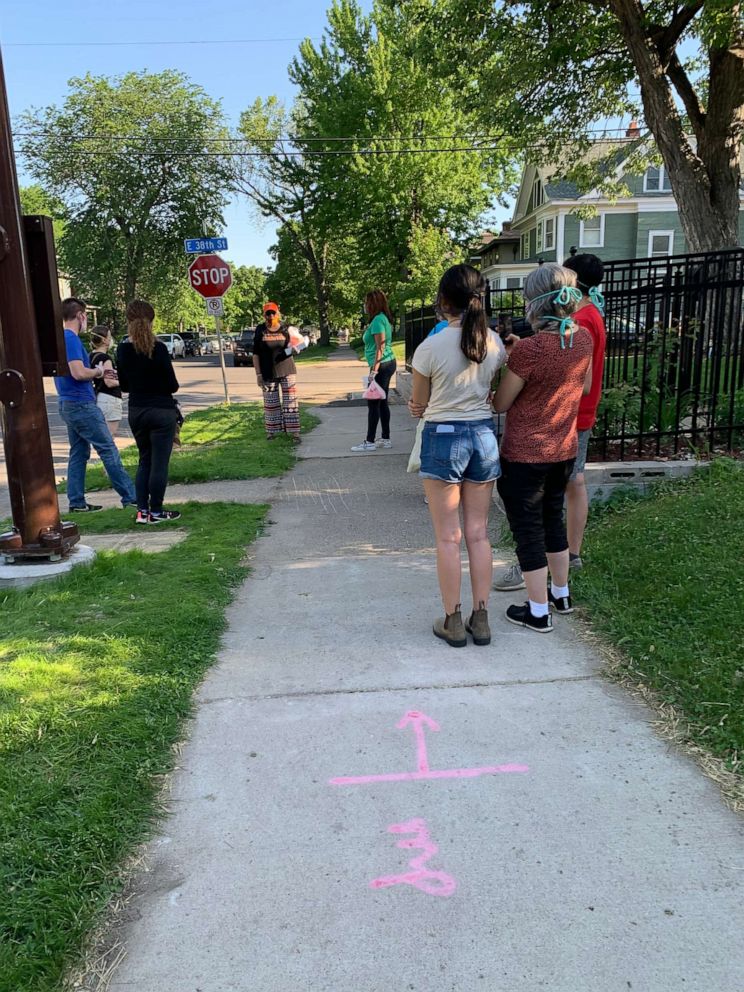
(560,592)
(538,609)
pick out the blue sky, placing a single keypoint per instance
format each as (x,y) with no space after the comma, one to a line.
(43,44)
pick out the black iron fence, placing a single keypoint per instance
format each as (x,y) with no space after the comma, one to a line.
(674,369)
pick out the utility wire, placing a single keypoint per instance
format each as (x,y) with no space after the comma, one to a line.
(141,44)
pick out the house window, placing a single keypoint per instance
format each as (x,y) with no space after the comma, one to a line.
(660,243)
(526,244)
(513,282)
(539,238)
(549,234)
(656,180)
(591,232)
(538,194)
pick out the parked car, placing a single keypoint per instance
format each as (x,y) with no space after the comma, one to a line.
(191,343)
(174,344)
(243,347)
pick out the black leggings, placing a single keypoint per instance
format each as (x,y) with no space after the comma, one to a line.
(533,500)
(378,411)
(154,429)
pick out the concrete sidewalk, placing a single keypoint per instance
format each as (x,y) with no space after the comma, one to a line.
(537,836)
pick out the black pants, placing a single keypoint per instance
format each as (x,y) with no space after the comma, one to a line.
(533,500)
(154,430)
(378,411)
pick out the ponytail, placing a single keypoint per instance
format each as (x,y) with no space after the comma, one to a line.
(474,331)
(140,316)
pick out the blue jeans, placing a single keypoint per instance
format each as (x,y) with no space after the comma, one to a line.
(86,426)
(460,451)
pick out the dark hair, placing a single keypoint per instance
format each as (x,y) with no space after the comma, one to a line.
(376,302)
(140,316)
(71,307)
(588,268)
(463,287)
(98,334)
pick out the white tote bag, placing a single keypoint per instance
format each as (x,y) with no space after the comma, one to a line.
(414,462)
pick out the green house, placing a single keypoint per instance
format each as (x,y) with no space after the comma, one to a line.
(547,227)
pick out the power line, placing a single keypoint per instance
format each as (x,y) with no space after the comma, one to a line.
(141,44)
(288,138)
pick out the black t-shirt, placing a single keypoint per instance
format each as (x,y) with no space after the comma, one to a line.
(270,347)
(99,358)
(150,382)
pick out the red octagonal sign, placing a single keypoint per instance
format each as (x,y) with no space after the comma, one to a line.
(210,275)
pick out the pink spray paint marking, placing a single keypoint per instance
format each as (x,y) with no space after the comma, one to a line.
(433,883)
(418,721)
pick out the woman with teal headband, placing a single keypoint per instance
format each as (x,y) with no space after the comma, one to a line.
(540,393)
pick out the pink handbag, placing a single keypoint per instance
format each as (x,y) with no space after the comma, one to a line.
(373,392)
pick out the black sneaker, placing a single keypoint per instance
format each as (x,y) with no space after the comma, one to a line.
(522,617)
(88,508)
(132,504)
(156,518)
(561,604)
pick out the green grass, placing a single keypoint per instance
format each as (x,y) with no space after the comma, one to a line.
(96,677)
(665,584)
(220,442)
(317,353)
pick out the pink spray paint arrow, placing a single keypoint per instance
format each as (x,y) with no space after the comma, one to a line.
(418,720)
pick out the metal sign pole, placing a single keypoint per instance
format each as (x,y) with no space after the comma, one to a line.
(218,328)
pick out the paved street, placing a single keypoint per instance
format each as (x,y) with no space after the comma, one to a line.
(360,807)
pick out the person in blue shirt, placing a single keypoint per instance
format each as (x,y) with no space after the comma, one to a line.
(86,426)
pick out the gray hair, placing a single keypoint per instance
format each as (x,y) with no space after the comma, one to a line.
(546,279)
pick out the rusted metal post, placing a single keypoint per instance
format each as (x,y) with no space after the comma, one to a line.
(37,529)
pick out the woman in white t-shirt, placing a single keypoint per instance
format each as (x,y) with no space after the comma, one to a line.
(452,376)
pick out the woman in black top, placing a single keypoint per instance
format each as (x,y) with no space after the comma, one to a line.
(275,367)
(146,373)
(108,390)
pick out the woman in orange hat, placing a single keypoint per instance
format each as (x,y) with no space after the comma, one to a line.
(275,369)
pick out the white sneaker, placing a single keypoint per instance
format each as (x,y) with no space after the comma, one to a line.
(384,442)
(365,446)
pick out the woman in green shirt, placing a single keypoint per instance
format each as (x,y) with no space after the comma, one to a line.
(378,352)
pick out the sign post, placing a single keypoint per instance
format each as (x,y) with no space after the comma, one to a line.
(211,277)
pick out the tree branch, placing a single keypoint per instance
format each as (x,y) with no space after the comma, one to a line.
(683,86)
(666,38)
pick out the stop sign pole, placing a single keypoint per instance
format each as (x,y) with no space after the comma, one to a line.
(211,277)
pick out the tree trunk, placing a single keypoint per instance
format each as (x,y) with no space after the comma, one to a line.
(322,294)
(705,180)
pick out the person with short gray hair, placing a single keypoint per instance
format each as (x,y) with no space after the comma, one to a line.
(540,394)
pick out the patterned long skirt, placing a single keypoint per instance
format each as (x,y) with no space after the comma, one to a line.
(282,416)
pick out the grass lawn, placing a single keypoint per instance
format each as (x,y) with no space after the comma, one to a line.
(96,676)
(666,585)
(317,353)
(220,442)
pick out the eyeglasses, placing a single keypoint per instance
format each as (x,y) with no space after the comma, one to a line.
(270,313)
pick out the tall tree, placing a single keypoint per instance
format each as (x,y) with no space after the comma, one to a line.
(548,69)
(135,163)
(413,177)
(34,200)
(283,185)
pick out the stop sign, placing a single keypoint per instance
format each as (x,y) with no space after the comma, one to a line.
(210,275)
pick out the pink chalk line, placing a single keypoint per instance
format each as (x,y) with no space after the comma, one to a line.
(433,883)
(417,720)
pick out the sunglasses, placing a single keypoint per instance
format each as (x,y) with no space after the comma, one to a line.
(270,313)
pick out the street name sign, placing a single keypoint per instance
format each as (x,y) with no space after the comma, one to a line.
(200,246)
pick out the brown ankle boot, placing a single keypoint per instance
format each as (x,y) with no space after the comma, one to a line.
(477,625)
(451,629)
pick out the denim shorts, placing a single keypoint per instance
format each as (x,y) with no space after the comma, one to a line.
(460,451)
(580,463)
